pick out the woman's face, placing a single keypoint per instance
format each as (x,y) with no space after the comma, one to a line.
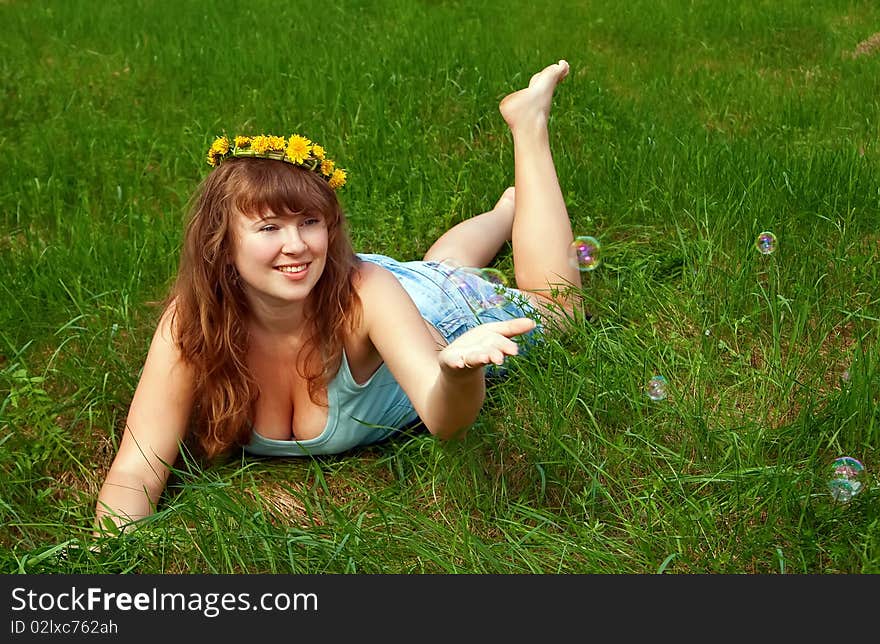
(279,259)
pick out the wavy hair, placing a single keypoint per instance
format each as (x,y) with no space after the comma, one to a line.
(210,312)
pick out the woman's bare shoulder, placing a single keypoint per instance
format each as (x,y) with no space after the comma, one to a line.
(168,326)
(169,329)
(367,271)
(371,280)
(377,287)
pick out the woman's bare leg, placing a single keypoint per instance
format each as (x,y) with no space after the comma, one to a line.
(474,242)
(542,234)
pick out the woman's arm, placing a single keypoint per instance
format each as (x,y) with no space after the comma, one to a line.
(156,424)
(446,386)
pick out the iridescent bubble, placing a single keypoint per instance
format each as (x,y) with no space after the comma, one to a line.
(847,478)
(656,388)
(585,252)
(449,266)
(498,280)
(471,283)
(766,242)
(496,299)
(493,275)
(468,281)
(463,280)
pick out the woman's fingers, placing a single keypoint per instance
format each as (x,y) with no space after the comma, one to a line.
(487,343)
(510,328)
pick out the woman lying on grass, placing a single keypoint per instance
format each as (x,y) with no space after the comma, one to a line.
(277,338)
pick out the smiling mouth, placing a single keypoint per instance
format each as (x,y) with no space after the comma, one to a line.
(292,269)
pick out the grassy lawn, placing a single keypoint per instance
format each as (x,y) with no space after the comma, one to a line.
(684,130)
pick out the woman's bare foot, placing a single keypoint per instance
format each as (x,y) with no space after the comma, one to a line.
(531,106)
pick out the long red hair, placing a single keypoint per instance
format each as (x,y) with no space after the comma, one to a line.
(210,312)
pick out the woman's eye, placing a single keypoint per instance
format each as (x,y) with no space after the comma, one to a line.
(311,221)
(269,228)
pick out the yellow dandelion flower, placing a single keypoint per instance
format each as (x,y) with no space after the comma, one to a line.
(298,148)
(260,144)
(337,180)
(220,145)
(277,143)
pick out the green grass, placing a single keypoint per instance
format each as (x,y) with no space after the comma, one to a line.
(684,129)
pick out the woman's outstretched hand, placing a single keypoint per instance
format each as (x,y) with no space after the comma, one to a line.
(484,344)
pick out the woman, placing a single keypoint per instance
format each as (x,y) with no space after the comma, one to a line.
(279,339)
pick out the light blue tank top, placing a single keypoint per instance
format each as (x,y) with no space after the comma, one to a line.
(358,415)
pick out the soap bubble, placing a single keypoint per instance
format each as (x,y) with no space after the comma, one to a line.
(464,281)
(766,242)
(493,275)
(449,266)
(656,388)
(498,280)
(469,282)
(847,478)
(585,251)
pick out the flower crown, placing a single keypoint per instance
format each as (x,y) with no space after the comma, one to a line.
(296,149)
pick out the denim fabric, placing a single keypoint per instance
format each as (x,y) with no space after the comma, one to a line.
(455,301)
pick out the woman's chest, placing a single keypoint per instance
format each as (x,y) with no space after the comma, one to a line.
(284,409)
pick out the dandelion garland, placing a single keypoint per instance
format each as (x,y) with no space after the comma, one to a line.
(296,149)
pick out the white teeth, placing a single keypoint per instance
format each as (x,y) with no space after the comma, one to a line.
(293,269)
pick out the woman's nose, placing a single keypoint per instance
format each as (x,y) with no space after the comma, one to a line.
(293,242)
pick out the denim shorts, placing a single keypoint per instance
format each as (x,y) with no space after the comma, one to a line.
(456,300)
